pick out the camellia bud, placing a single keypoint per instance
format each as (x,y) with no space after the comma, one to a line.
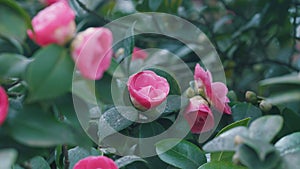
(95,162)
(54,24)
(92,52)
(265,106)
(199,115)
(3,105)
(251,97)
(147,90)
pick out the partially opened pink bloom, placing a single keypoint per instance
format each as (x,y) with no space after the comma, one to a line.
(54,24)
(92,52)
(214,91)
(50,2)
(96,162)
(3,105)
(199,115)
(147,89)
(139,54)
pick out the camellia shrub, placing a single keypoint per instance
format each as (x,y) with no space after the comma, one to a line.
(160,84)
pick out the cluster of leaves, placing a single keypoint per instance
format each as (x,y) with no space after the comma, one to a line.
(256,40)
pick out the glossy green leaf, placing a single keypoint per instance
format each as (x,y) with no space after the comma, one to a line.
(289,148)
(284,97)
(287,79)
(261,147)
(13,65)
(227,156)
(150,129)
(116,119)
(291,122)
(39,162)
(184,155)
(243,122)
(7,158)
(14,20)
(50,73)
(265,128)
(78,153)
(175,103)
(154,5)
(33,126)
(174,85)
(244,110)
(85,89)
(126,160)
(221,165)
(225,141)
(249,158)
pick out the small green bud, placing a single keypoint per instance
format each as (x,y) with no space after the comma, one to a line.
(265,106)
(251,97)
(190,93)
(120,52)
(238,140)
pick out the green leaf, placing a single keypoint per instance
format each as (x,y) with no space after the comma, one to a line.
(124,161)
(183,155)
(291,122)
(261,148)
(50,73)
(225,141)
(243,122)
(224,156)
(244,110)
(227,156)
(85,89)
(8,158)
(287,79)
(174,85)
(12,65)
(150,129)
(78,153)
(39,163)
(14,20)
(265,128)
(116,119)
(284,97)
(34,127)
(104,88)
(249,158)
(154,5)
(221,165)
(175,103)
(289,148)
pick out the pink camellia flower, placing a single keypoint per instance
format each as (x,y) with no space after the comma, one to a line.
(50,2)
(214,91)
(199,115)
(94,162)
(139,54)
(3,105)
(92,52)
(147,89)
(54,24)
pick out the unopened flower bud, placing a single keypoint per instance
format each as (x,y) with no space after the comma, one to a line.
(238,140)
(190,93)
(120,52)
(265,106)
(251,97)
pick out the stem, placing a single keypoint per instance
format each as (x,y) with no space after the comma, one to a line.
(66,156)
